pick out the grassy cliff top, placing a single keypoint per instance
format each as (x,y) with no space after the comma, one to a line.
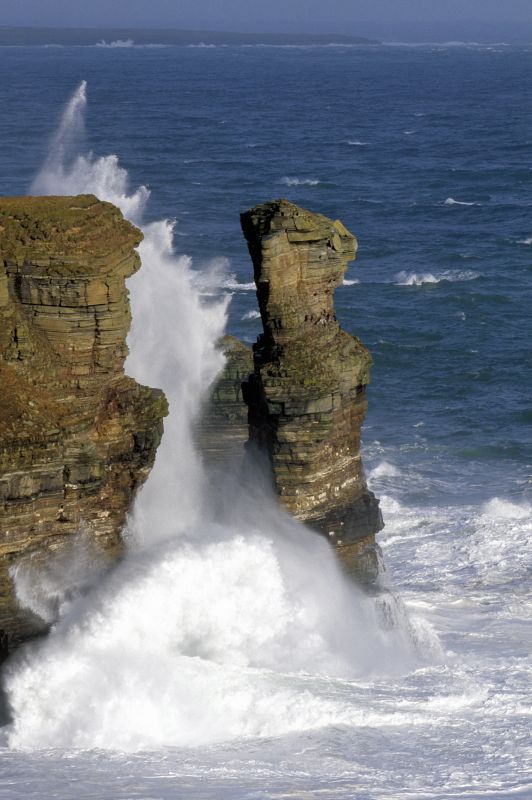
(78,231)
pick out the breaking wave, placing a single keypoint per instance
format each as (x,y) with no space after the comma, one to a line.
(287,181)
(404,278)
(452,202)
(118,43)
(225,617)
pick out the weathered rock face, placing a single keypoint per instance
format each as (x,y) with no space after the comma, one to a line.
(77,436)
(223,426)
(307,395)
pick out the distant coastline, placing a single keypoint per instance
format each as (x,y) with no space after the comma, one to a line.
(164,36)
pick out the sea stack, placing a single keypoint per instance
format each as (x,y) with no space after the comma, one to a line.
(77,436)
(307,393)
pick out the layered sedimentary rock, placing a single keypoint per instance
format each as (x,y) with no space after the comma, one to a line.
(77,436)
(223,427)
(307,394)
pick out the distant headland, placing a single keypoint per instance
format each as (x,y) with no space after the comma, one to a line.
(164,36)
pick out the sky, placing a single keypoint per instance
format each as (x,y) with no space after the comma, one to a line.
(496,20)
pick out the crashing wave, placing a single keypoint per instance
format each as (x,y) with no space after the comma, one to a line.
(117,43)
(287,181)
(420,278)
(452,202)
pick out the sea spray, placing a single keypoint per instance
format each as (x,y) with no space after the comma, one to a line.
(225,613)
(68,171)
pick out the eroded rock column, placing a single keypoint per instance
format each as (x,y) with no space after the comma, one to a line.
(307,394)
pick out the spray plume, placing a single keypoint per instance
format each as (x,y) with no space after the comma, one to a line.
(225,618)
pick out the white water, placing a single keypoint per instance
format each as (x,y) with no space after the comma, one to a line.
(404,278)
(200,634)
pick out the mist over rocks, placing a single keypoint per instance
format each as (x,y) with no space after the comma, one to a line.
(223,427)
(77,436)
(307,393)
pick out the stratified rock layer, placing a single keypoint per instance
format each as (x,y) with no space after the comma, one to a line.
(77,436)
(307,395)
(223,426)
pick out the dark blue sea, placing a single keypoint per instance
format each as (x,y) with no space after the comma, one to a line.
(425,154)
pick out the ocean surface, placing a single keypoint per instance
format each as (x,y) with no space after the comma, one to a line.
(260,685)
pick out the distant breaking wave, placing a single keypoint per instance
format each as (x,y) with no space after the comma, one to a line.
(528,240)
(452,202)
(117,43)
(350,281)
(287,181)
(420,278)
(121,44)
(356,143)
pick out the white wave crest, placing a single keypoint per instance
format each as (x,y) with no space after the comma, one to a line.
(384,470)
(528,240)
(452,202)
(231,282)
(501,549)
(404,278)
(251,315)
(118,43)
(356,143)
(287,181)
(350,281)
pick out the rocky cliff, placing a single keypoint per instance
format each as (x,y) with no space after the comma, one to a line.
(77,436)
(307,394)
(223,427)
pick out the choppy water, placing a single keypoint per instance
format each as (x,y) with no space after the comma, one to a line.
(424,153)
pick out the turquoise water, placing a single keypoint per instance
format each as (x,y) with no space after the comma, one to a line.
(424,154)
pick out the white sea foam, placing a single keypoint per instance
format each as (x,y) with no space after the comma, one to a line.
(118,43)
(231,282)
(194,637)
(287,181)
(193,643)
(405,278)
(384,470)
(356,143)
(528,240)
(251,315)
(452,202)
(350,281)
